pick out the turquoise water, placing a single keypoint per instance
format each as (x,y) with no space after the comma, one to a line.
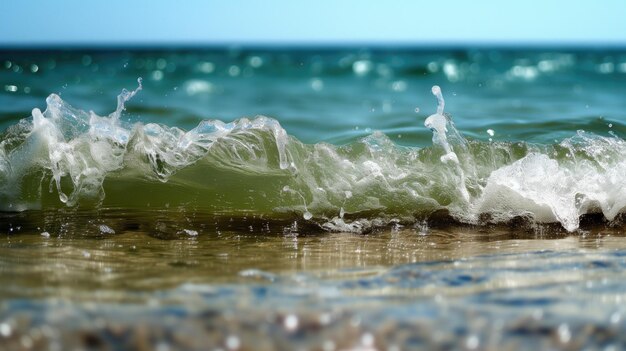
(314,198)
(319,134)
(335,95)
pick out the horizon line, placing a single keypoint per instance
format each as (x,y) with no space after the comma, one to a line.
(360,44)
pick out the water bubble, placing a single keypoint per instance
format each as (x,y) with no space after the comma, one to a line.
(361,67)
(10,88)
(206,67)
(610,125)
(291,322)
(564,333)
(472,342)
(432,67)
(367,340)
(161,64)
(196,86)
(451,71)
(417,110)
(399,86)
(157,75)
(45,234)
(234,71)
(255,61)
(490,132)
(105,229)
(34,68)
(307,215)
(190,232)
(233,342)
(5,330)
(317,84)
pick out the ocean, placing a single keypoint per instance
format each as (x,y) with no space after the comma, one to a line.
(313,198)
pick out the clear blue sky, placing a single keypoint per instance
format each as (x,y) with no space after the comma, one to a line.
(26,22)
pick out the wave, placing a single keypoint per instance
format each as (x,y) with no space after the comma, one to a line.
(67,157)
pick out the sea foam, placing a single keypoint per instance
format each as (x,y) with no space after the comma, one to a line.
(67,157)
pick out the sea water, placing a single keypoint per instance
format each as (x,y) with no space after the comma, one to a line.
(315,197)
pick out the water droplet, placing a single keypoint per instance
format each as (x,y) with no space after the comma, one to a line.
(234,71)
(157,75)
(232,342)
(161,64)
(5,330)
(361,67)
(317,84)
(105,229)
(206,67)
(367,340)
(190,232)
(255,61)
(472,342)
(291,322)
(399,86)
(564,333)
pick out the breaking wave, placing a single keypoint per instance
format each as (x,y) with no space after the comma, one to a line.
(64,157)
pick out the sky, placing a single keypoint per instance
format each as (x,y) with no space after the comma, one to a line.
(161,22)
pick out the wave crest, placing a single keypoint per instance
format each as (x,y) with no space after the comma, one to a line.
(69,157)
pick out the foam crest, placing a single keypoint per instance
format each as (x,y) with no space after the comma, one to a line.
(590,178)
(68,157)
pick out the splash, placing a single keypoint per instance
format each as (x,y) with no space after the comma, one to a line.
(441,125)
(67,157)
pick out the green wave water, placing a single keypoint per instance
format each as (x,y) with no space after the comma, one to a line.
(312,198)
(69,157)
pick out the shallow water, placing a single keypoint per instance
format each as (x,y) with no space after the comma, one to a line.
(355,212)
(416,287)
